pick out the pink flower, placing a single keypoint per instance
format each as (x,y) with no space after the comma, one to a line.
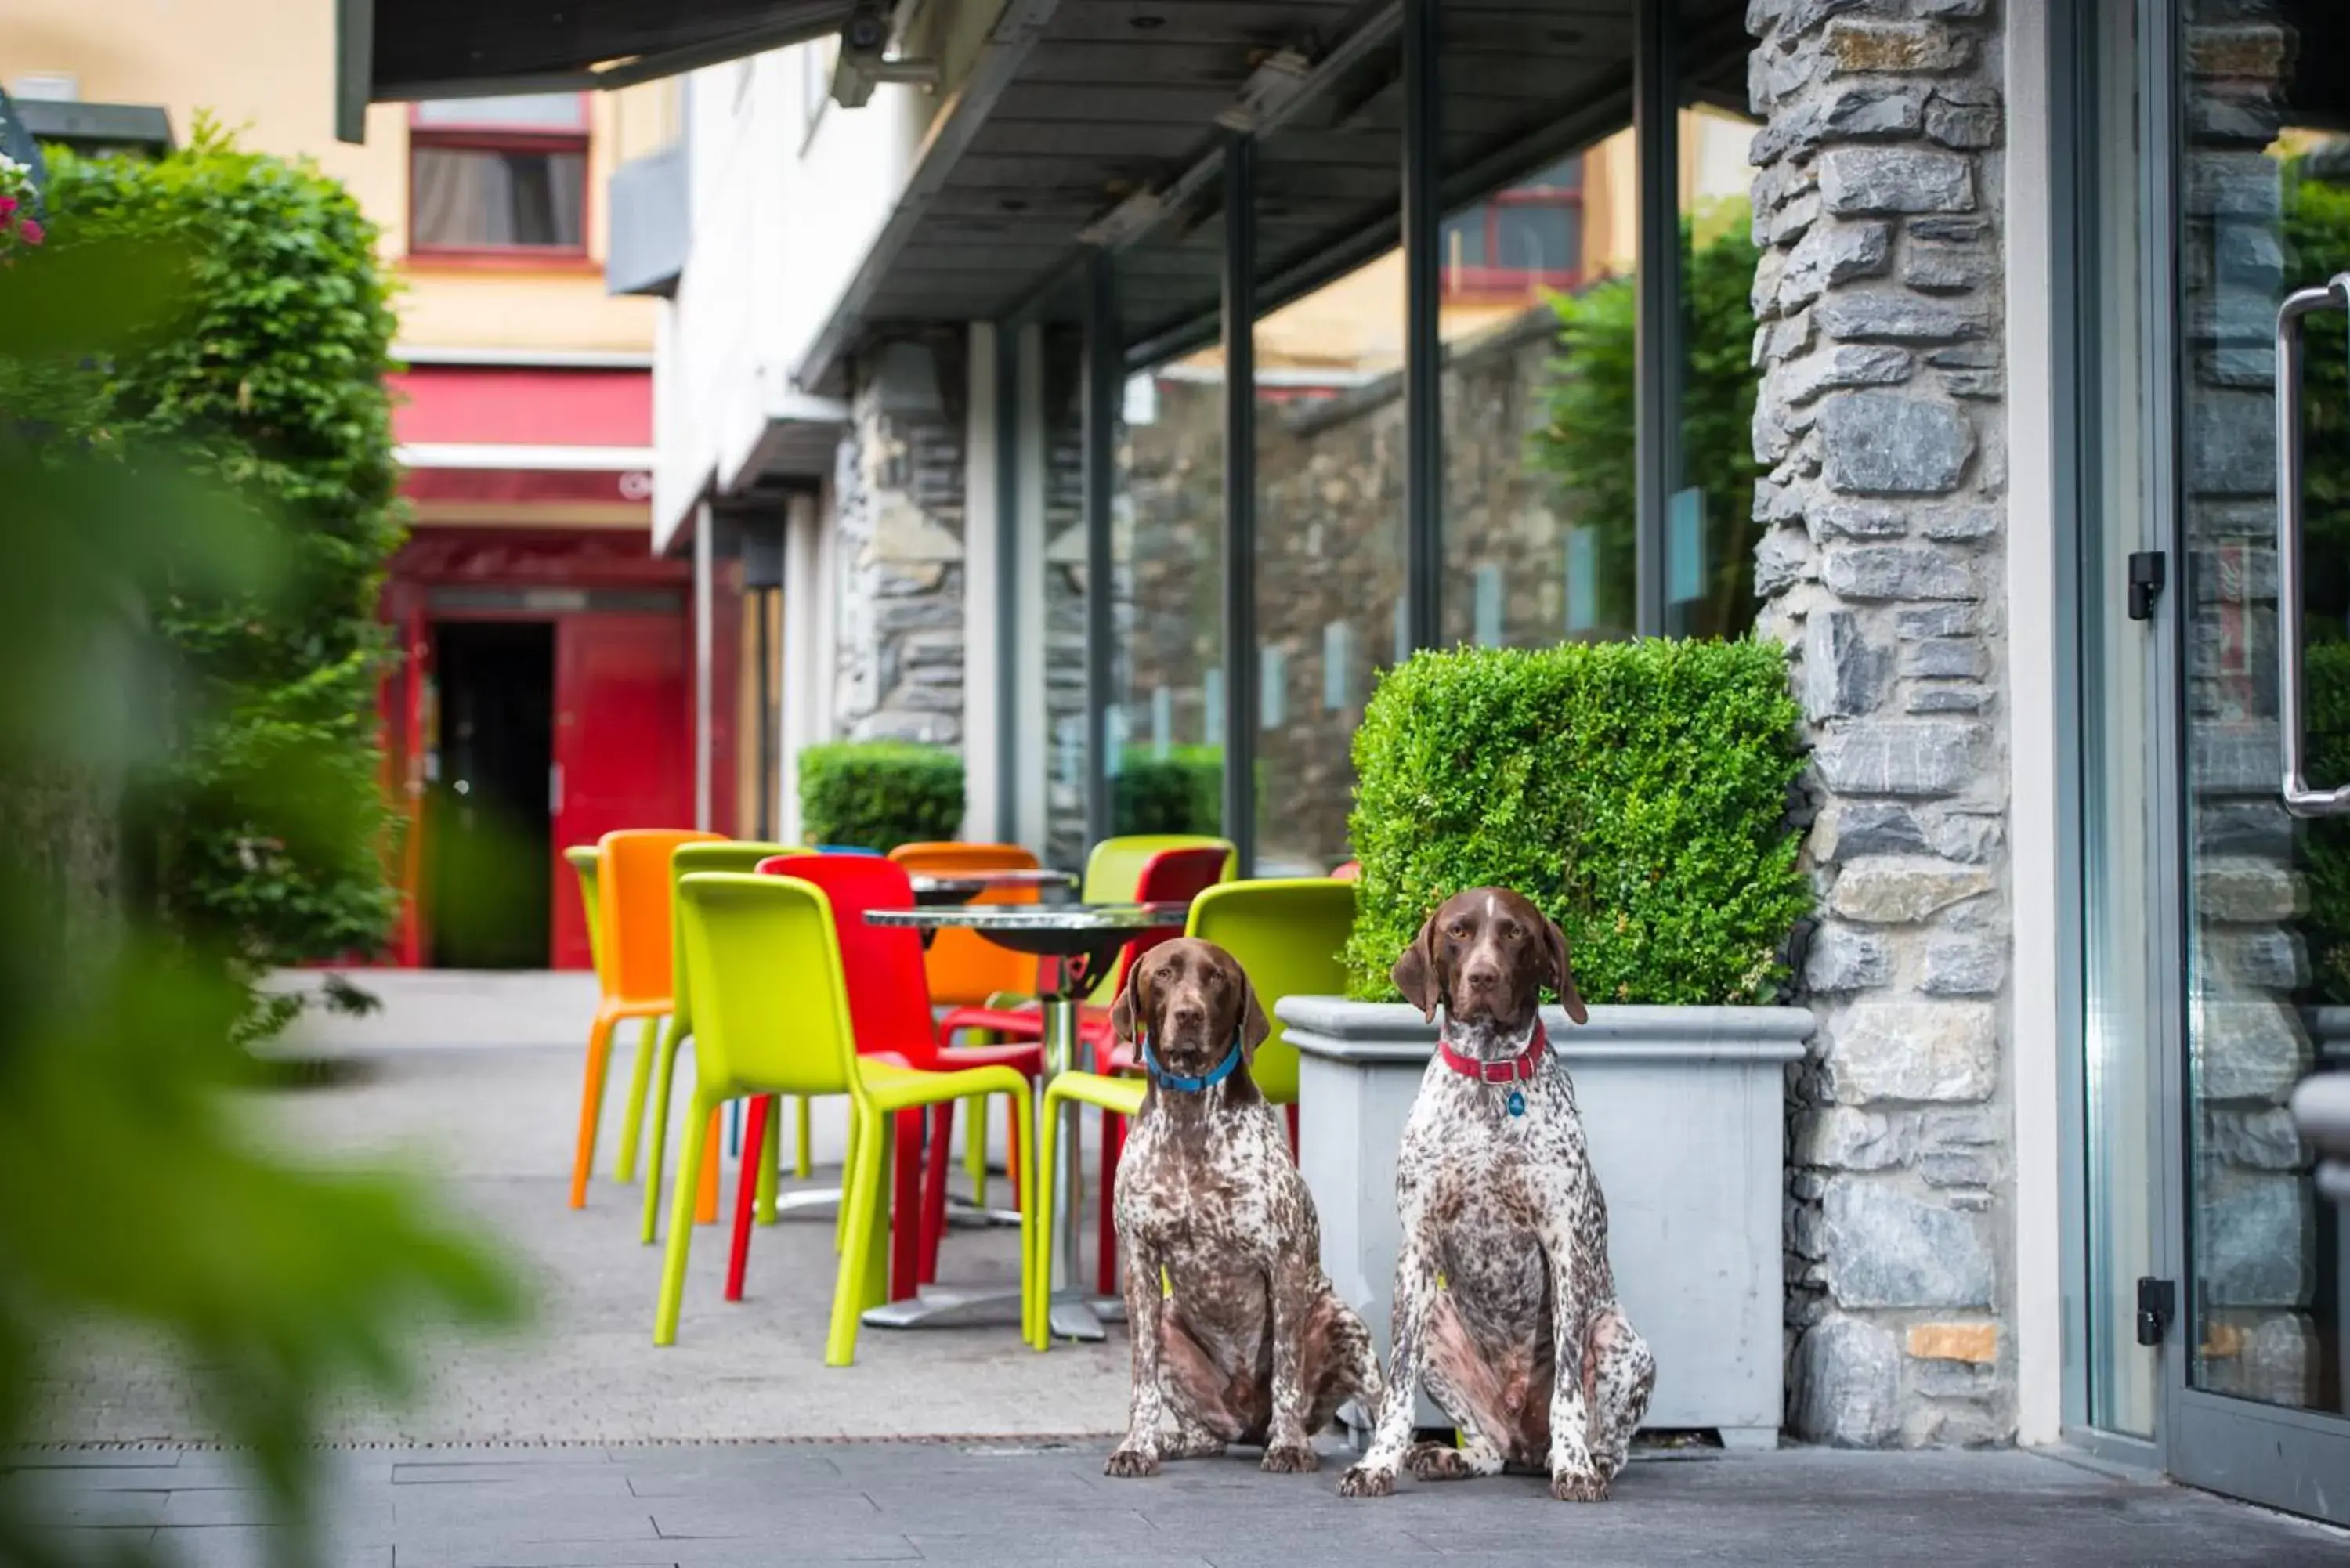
(8,205)
(29,232)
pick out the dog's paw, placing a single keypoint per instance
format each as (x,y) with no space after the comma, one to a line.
(1291,1460)
(1362,1480)
(1578,1485)
(1438,1462)
(1130,1463)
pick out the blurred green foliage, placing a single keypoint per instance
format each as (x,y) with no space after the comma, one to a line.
(1182,792)
(133,1190)
(1637,791)
(1586,439)
(878,794)
(267,828)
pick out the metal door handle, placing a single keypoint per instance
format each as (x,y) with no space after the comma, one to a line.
(2299,798)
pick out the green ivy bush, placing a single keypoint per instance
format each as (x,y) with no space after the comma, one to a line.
(267,828)
(1635,791)
(878,794)
(1182,792)
(2325,842)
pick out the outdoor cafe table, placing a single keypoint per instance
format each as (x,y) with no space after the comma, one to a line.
(1085,938)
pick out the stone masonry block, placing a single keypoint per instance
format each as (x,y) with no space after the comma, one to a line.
(1858,47)
(1971,1342)
(1882,444)
(1845,1385)
(1914,1051)
(1891,891)
(1861,182)
(1881,572)
(1888,1249)
(1920,757)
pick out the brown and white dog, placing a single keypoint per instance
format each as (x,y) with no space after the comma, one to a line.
(1504,1306)
(1238,1338)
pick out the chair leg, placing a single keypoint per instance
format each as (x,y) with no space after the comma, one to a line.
(664,1071)
(935,1159)
(861,1201)
(747,1194)
(1039,1306)
(705,1195)
(591,1105)
(771,1164)
(803,1152)
(632,1120)
(1106,1221)
(734,1129)
(840,1210)
(906,1208)
(1015,1168)
(681,1219)
(974,1148)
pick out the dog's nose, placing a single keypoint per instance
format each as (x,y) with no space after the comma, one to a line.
(1187,1015)
(1482,976)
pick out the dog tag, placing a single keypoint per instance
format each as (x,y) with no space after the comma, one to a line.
(1517,1102)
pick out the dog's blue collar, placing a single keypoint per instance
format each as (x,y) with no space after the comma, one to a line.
(1183,1085)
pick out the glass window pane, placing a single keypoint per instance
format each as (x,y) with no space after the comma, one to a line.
(1537,386)
(2263,210)
(528,112)
(1329,455)
(1709,528)
(473,197)
(1167,522)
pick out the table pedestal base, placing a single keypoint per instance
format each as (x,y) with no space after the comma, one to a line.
(1076,1315)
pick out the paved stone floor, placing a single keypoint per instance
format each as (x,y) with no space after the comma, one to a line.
(1014,1503)
(577,1443)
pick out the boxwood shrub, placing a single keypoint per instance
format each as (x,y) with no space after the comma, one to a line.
(1182,792)
(2326,841)
(1635,791)
(878,794)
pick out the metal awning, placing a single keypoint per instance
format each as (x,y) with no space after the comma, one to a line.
(394,50)
(1080,114)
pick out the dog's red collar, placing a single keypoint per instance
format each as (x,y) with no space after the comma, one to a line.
(1515,1070)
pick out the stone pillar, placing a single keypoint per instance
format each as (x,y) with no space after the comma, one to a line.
(1877,202)
(898,503)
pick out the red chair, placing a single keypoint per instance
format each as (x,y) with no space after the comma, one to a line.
(1347,871)
(1170,877)
(889,1006)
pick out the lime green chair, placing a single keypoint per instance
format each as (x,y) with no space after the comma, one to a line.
(1290,937)
(661,1069)
(1113,871)
(1114,1097)
(771,1006)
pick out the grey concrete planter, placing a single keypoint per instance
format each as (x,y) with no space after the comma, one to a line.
(1684,1108)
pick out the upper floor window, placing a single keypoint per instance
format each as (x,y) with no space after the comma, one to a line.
(1524,238)
(499,175)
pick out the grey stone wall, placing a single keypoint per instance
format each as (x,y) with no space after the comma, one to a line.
(1879,196)
(898,503)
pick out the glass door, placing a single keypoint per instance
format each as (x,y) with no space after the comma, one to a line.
(2255,194)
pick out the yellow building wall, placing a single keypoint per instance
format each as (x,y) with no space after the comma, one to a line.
(265,68)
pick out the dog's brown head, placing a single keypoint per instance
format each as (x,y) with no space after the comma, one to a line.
(1190,999)
(1486,955)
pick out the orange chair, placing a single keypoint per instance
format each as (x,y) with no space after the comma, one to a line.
(1347,871)
(632,894)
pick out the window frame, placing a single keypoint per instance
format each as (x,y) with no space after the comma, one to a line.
(1483,283)
(497,137)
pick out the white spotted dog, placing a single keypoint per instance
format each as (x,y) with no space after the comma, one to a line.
(1237,1336)
(1504,1306)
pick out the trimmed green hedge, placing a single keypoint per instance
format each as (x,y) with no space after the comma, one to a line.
(2325,842)
(1635,791)
(1182,792)
(878,794)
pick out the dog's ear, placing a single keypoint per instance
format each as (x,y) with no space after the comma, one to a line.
(1130,1014)
(1416,973)
(1562,977)
(1255,1027)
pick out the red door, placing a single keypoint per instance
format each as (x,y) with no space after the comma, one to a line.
(623,745)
